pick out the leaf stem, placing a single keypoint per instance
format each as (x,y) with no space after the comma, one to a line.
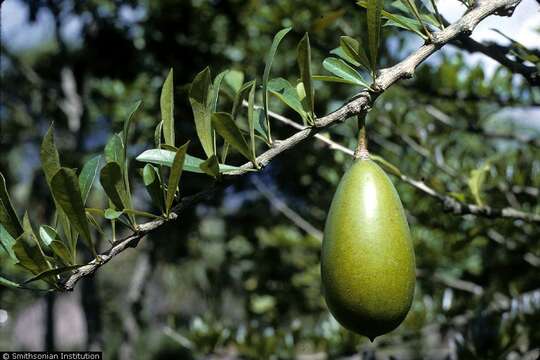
(361,151)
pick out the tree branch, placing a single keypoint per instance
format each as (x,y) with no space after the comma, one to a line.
(358,106)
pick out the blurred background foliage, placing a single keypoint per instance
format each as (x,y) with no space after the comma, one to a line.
(235,277)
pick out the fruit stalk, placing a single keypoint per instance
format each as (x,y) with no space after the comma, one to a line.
(361,151)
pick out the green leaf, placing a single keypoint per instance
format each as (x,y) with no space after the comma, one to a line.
(28,254)
(339,52)
(214,95)
(266,75)
(353,48)
(211,166)
(304,63)
(114,150)
(142,213)
(112,214)
(8,217)
(374,8)
(52,273)
(157,134)
(234,80)
(329,78)
(191,163)
(166,103)
(88,175)
(127,125)
(6,242)
(260,125)
(251,118)
(199,99)
(341,69)
(242,93)
(476,182)
(175,174)
(404,22)
(94,222)
(416,14)
(285,92)
(226,128)
(398,20)
(153,185)
(66,191)
(113,184)
(47,234)
(62,251)
(9,283)
(50,160)
(50,163)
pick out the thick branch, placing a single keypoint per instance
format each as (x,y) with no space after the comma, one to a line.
(358,106)
(499,54)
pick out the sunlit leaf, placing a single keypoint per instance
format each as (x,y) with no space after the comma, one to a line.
(191,163)
(251,119)
(112,182)
(353,48)
(476,181)
(61,250)
(304,63)
(266,75)
(226,128)
(398,20)
(88,175)
(374,8)
(341,69)
(9,283)
(166,103)
(199,100)
(242,93)
(112,214)
(339,52)
(114,150)
(28,254)
(211,166)
(416,13)
(6,242)
(47,234)
(234,80)
(214,95)
(175,174)
(329,78)
(153,186)
(157,134)
(127,125)
(50,160)
(284,91)
(141,213)
(65,187)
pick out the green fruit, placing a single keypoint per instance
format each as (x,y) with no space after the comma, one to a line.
(367,264)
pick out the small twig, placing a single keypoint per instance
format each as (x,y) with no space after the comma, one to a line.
(450,204)
(282,207)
